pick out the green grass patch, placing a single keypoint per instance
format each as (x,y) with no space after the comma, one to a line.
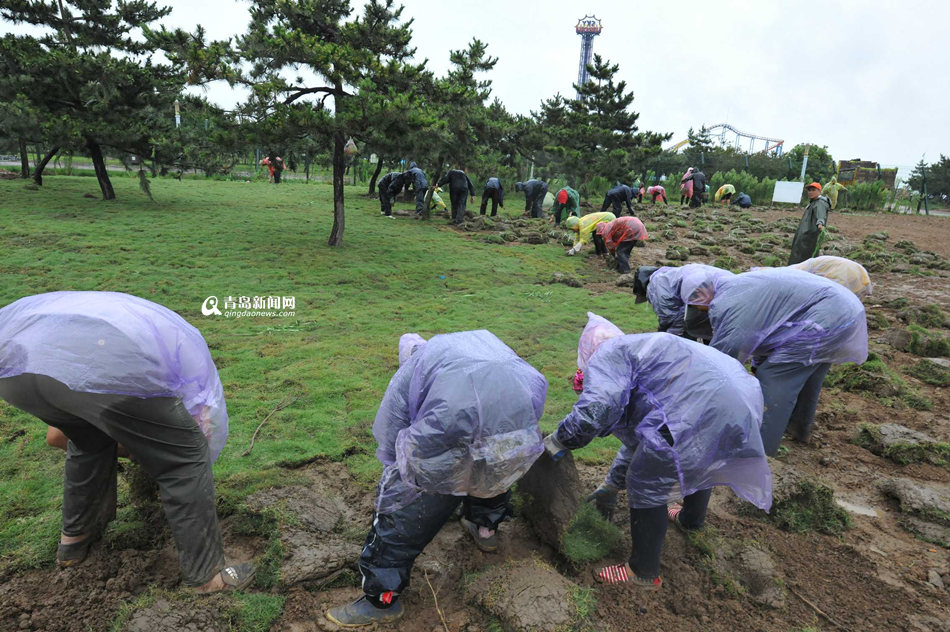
(708,542)
(929,344)
(811,507)
(879,381)
(255,612)
(936,453)
(590,536)
(930,373)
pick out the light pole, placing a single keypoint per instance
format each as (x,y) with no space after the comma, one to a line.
(177,114)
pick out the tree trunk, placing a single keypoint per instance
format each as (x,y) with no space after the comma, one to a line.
(372,181)
(38,174)
(339,169)
(24,160)
(108,193)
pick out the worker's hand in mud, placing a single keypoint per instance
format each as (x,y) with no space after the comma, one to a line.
(604,499)
(821,227)
(571,252)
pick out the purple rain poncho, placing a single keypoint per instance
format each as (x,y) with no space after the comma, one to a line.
(459,417)
(664,291)
(637,387)
(788,316)
(109,342)
(697,282)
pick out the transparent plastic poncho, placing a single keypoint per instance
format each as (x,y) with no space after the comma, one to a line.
(698,281)
(850,274)
(109,342)
(787,316)
(667,297)
(459,417)
(689,416)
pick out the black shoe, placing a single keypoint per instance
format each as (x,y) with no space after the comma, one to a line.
(361,612)
(487,545)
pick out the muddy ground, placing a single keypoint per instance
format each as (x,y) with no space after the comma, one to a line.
(889,571)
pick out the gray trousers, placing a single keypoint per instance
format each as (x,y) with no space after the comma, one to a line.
(791,396)
(159,434)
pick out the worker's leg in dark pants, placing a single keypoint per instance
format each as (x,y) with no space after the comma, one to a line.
(487,512)
(459,203)
(599,246)
(160,435)
(396,539)
(536,209)
(557,215)
(782,385)
(617,207)
(648,531)
(803,417)
(385,203)
(489,194)
(420,200)
(89,487)
(623,256)
(603,207)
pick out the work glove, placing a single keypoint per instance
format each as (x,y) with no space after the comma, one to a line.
(604,499)
(570,253)
(554,448)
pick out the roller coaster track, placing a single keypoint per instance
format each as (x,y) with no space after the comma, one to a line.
(719,130)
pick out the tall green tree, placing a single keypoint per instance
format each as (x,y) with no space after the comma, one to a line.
(821,165)
(346,58)
(596,134)
(88,75)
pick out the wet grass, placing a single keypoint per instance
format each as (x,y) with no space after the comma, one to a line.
(590,536)
(875,379)
(203,238)
(810,508)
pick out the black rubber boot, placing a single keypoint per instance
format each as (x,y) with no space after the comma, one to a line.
(361,612)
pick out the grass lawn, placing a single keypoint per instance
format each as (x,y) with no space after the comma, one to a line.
(338,351)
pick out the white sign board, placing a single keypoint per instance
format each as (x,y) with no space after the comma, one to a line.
(790,192)
(373,159)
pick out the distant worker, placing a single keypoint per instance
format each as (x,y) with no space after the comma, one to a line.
(792,326)
(616,197)
(460,189)
(417,178)
(568,202)
(663,288)
(832,189)
(458,425)
(620,236)
(437,203)
(806,243)
(534,192)
(389,187)
(688,418)
(850,274)
(725,193)
(496,193)
(638,190)
(686,187)
(742,200)
(585,227)
(657,192)
(699,188)
(106,369)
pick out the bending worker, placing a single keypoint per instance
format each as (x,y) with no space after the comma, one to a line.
(458,424)
(620,236)
(663,288)
(534,192)
(389,187)
(850,274)
(657,192)
(567,201)
(108,368)
(618,196)
(415,176)
(689,418)
(724,193)
(460,188)
(496,193)
(793,326)
(584,227)
(742,200)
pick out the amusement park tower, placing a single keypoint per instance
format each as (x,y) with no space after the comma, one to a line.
(588,27)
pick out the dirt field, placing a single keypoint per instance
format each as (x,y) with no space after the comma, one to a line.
(750,575)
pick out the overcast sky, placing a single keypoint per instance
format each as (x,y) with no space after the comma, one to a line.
(868,79)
